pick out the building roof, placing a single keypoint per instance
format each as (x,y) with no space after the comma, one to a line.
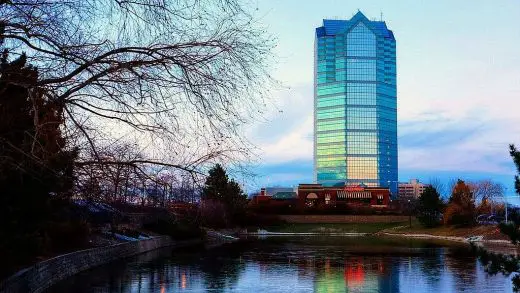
(270,191)
(285,195)
(332,27)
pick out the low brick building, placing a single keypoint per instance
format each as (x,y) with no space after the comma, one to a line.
(316,194)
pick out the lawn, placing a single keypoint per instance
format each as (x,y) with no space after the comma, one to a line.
(490,232)
(335,228)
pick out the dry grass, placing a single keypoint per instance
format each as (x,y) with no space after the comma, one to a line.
(489,232)
(334,227)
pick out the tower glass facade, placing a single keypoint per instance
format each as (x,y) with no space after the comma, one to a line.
(355,104)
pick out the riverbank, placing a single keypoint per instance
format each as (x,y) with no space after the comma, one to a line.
(488,232)
(488,237)
(494,246)
(44,274)
(381,224)
(332,228)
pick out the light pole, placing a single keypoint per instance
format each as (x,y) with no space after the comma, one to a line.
(505,203)
(409,214)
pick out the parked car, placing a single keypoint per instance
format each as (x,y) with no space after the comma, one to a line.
(489,219)
(482,217)
(497,219)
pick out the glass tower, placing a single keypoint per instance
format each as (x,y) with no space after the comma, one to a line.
(355,104)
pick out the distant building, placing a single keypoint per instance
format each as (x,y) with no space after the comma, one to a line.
(355,104)
(412,188)
(353,195)
(272,191)
(271,194)
(317,195)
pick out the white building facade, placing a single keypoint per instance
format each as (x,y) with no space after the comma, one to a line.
(412,188)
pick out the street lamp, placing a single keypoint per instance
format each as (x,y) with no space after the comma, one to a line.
(409,213)
(505,201)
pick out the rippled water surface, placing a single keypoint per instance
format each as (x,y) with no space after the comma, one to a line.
(296,265)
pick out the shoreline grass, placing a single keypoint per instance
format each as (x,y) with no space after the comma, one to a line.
(333,227)
(489,232)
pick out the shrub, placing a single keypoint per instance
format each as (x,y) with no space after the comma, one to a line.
(510,230)
(213,214)
(254,221)
(178,230)
(127,232)
(67,236)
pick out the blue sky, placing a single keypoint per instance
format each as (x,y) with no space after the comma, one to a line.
(458,72)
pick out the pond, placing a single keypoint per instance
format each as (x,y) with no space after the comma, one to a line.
(309,264)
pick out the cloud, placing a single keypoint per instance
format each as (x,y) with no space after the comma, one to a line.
(286,134)
(284,173)
(437,138)
(470,139)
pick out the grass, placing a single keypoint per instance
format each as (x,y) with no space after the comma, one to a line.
(335,228)
(488,231)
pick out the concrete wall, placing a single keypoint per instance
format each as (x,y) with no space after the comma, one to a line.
(44,274)
(342,219)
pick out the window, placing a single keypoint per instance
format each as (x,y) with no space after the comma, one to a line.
(361,42)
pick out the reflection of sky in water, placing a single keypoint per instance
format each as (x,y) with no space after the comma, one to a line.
(257,267)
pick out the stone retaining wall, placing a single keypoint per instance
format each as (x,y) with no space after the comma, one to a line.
(322,219)
(44,274)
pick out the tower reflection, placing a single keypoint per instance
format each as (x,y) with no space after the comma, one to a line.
(357,274)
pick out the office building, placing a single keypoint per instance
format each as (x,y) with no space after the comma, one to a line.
(412,188)
(355,104)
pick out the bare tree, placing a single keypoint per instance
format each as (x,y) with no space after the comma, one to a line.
(156,185)
(486,190)
(451,186)
(180,77)
(117,182)
(438,185)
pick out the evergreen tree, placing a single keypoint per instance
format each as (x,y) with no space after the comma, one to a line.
(226,191)
(216,186)
(36,168)
(512,229)
(236,199)
(430,207)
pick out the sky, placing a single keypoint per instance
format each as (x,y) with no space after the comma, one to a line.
(458,87)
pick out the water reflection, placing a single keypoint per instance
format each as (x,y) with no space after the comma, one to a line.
(357,274)
(297,265)
(469,268)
